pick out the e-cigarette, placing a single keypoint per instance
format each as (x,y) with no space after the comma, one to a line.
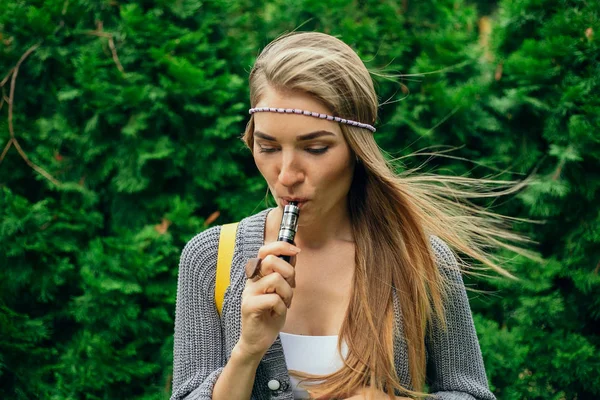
(289,225)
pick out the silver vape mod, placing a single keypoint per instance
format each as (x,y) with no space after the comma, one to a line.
(289,225)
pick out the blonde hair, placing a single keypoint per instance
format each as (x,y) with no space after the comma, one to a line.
(393,215)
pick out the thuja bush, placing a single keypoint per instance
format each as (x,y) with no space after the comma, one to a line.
(120,127)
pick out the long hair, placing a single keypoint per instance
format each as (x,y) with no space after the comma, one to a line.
(393,216)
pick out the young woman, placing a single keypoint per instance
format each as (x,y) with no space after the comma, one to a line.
(372,304)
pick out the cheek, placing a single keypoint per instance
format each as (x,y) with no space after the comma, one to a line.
(263,168)
(337,174)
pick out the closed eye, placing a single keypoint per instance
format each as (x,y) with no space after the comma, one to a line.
(319,150)
(263,149)
(311,150)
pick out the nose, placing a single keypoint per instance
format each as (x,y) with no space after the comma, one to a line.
(291,172)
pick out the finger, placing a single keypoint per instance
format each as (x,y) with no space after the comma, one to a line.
(273,283)
(278,248)
(270,302)
(275,264)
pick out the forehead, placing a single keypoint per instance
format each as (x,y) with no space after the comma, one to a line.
(275,124)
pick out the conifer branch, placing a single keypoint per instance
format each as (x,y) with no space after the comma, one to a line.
(10,142)
(558,170)
(39,170)
(98,33)
(11,96)
(6,77)
(11,93)
(111,44)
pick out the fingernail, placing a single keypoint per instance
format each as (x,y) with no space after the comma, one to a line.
(294,248)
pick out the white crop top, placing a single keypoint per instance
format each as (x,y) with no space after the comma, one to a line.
(312,354)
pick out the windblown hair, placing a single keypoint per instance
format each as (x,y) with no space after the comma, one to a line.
(393,215)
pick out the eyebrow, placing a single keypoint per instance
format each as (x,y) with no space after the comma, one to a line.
(307,136)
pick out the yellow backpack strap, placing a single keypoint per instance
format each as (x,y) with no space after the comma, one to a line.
(224,258)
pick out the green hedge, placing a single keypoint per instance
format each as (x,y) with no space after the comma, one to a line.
(126,120)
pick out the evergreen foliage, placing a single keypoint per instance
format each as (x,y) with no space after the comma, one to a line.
(126,120)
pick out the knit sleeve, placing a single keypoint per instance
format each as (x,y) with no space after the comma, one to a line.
(198,355)
(455,367)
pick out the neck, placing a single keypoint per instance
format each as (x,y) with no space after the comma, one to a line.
(317,231)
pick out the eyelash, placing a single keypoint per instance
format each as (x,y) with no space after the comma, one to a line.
(319,151)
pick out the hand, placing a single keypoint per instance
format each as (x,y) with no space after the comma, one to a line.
(266,298)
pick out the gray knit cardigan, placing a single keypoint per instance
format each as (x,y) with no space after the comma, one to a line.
(204,341)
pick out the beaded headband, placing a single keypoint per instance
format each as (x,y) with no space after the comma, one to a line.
(312,114)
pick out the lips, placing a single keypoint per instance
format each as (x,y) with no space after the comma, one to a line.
(300,201)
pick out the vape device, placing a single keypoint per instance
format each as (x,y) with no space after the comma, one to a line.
(289,225)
